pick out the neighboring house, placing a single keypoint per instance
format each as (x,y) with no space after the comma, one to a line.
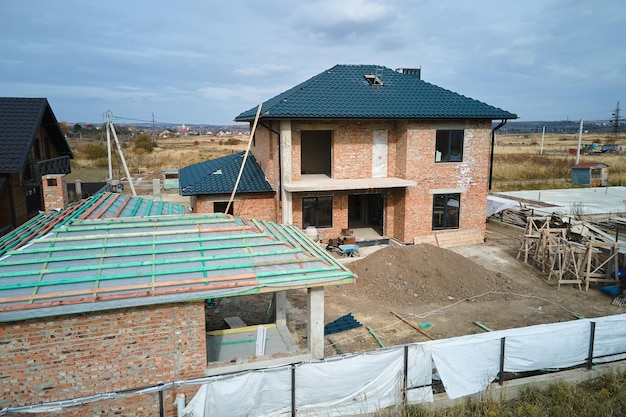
(591,174)
(210,185)
(31,146)
(102,306)
(366,146)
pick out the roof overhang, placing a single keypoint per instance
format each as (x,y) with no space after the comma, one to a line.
(314,182)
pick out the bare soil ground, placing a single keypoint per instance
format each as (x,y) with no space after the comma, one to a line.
(444,291)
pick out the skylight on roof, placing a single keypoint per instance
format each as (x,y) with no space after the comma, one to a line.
(373,79)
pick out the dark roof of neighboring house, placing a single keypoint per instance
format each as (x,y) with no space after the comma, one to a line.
(218,176)
(20,119)
(100,206)
(344,92)
(588,165)
(101,264)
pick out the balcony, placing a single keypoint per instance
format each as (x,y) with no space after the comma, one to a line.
(320,182)
(59,165)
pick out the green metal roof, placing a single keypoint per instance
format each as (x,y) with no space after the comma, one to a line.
(99,206)
(344,92)
(100,264)
(218,176)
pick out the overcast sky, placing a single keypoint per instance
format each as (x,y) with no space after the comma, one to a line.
(206,61)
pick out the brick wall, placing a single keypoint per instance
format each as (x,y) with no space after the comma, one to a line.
(258,206)
(54,189)
(65,357)
(411,155)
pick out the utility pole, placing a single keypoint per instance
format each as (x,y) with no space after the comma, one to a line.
(580,139)
(616,121)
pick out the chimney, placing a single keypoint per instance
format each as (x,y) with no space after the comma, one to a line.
(54,187)
(411,71)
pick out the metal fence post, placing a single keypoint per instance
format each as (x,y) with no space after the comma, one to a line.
(592,336)
(406,375)
(293,390)
(502,342)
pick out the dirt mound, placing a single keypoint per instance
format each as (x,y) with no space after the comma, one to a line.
(405,274)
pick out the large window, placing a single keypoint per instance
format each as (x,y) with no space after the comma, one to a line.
(446,209)
(317,211)
(449,146)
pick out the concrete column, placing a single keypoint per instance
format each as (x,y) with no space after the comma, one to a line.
(280,305)
(78,189)
(156,188)
(315,306)
(285,170)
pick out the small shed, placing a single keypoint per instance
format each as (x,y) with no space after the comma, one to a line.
(170,179)
(591,174)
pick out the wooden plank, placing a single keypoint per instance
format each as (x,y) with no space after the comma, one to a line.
(459,238)
(412,325)
(234,322)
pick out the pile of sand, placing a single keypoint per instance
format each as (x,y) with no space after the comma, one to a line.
(426,273)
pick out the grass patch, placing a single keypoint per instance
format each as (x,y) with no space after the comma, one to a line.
(605,396)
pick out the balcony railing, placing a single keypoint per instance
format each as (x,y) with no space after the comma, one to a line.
(59,165)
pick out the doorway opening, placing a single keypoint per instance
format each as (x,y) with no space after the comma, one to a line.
(366,211)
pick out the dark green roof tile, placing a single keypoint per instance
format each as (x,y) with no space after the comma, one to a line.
(343,92)
(218,176)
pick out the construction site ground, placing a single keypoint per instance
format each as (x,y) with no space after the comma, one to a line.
(443,292)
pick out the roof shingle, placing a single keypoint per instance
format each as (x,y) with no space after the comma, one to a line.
(343,92)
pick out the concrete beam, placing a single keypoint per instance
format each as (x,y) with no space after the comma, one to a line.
(315,307)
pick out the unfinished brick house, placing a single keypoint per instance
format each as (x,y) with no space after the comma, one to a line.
(364,146)
(31,146)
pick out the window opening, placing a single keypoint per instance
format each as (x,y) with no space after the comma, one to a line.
(449,146)
(315,154)
(220,207)
(446,210)
(317,211)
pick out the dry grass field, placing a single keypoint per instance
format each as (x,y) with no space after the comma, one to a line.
(521,163)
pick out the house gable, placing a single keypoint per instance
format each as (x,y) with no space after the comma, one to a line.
(20,121)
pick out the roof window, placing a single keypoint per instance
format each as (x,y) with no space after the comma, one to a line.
(373,79)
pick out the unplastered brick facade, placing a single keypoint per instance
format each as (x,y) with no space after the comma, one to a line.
(55,196)
(66,357)
(258,206)
(411,145)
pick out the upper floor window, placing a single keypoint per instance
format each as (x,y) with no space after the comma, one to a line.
(315,152)
(446,210)
(449,146)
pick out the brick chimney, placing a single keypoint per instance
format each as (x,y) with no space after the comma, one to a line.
(54,187)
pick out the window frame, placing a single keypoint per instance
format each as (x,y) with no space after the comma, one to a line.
(316,211)
(443,214)
(446,141)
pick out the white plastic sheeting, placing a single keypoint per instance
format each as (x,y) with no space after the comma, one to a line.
(262,393)
(364,383)
(466,365)
(354,385)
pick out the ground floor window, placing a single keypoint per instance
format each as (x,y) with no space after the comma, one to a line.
(220,207)
(446,209)
(317,211)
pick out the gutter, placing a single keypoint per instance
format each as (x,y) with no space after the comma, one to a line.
(493,143)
